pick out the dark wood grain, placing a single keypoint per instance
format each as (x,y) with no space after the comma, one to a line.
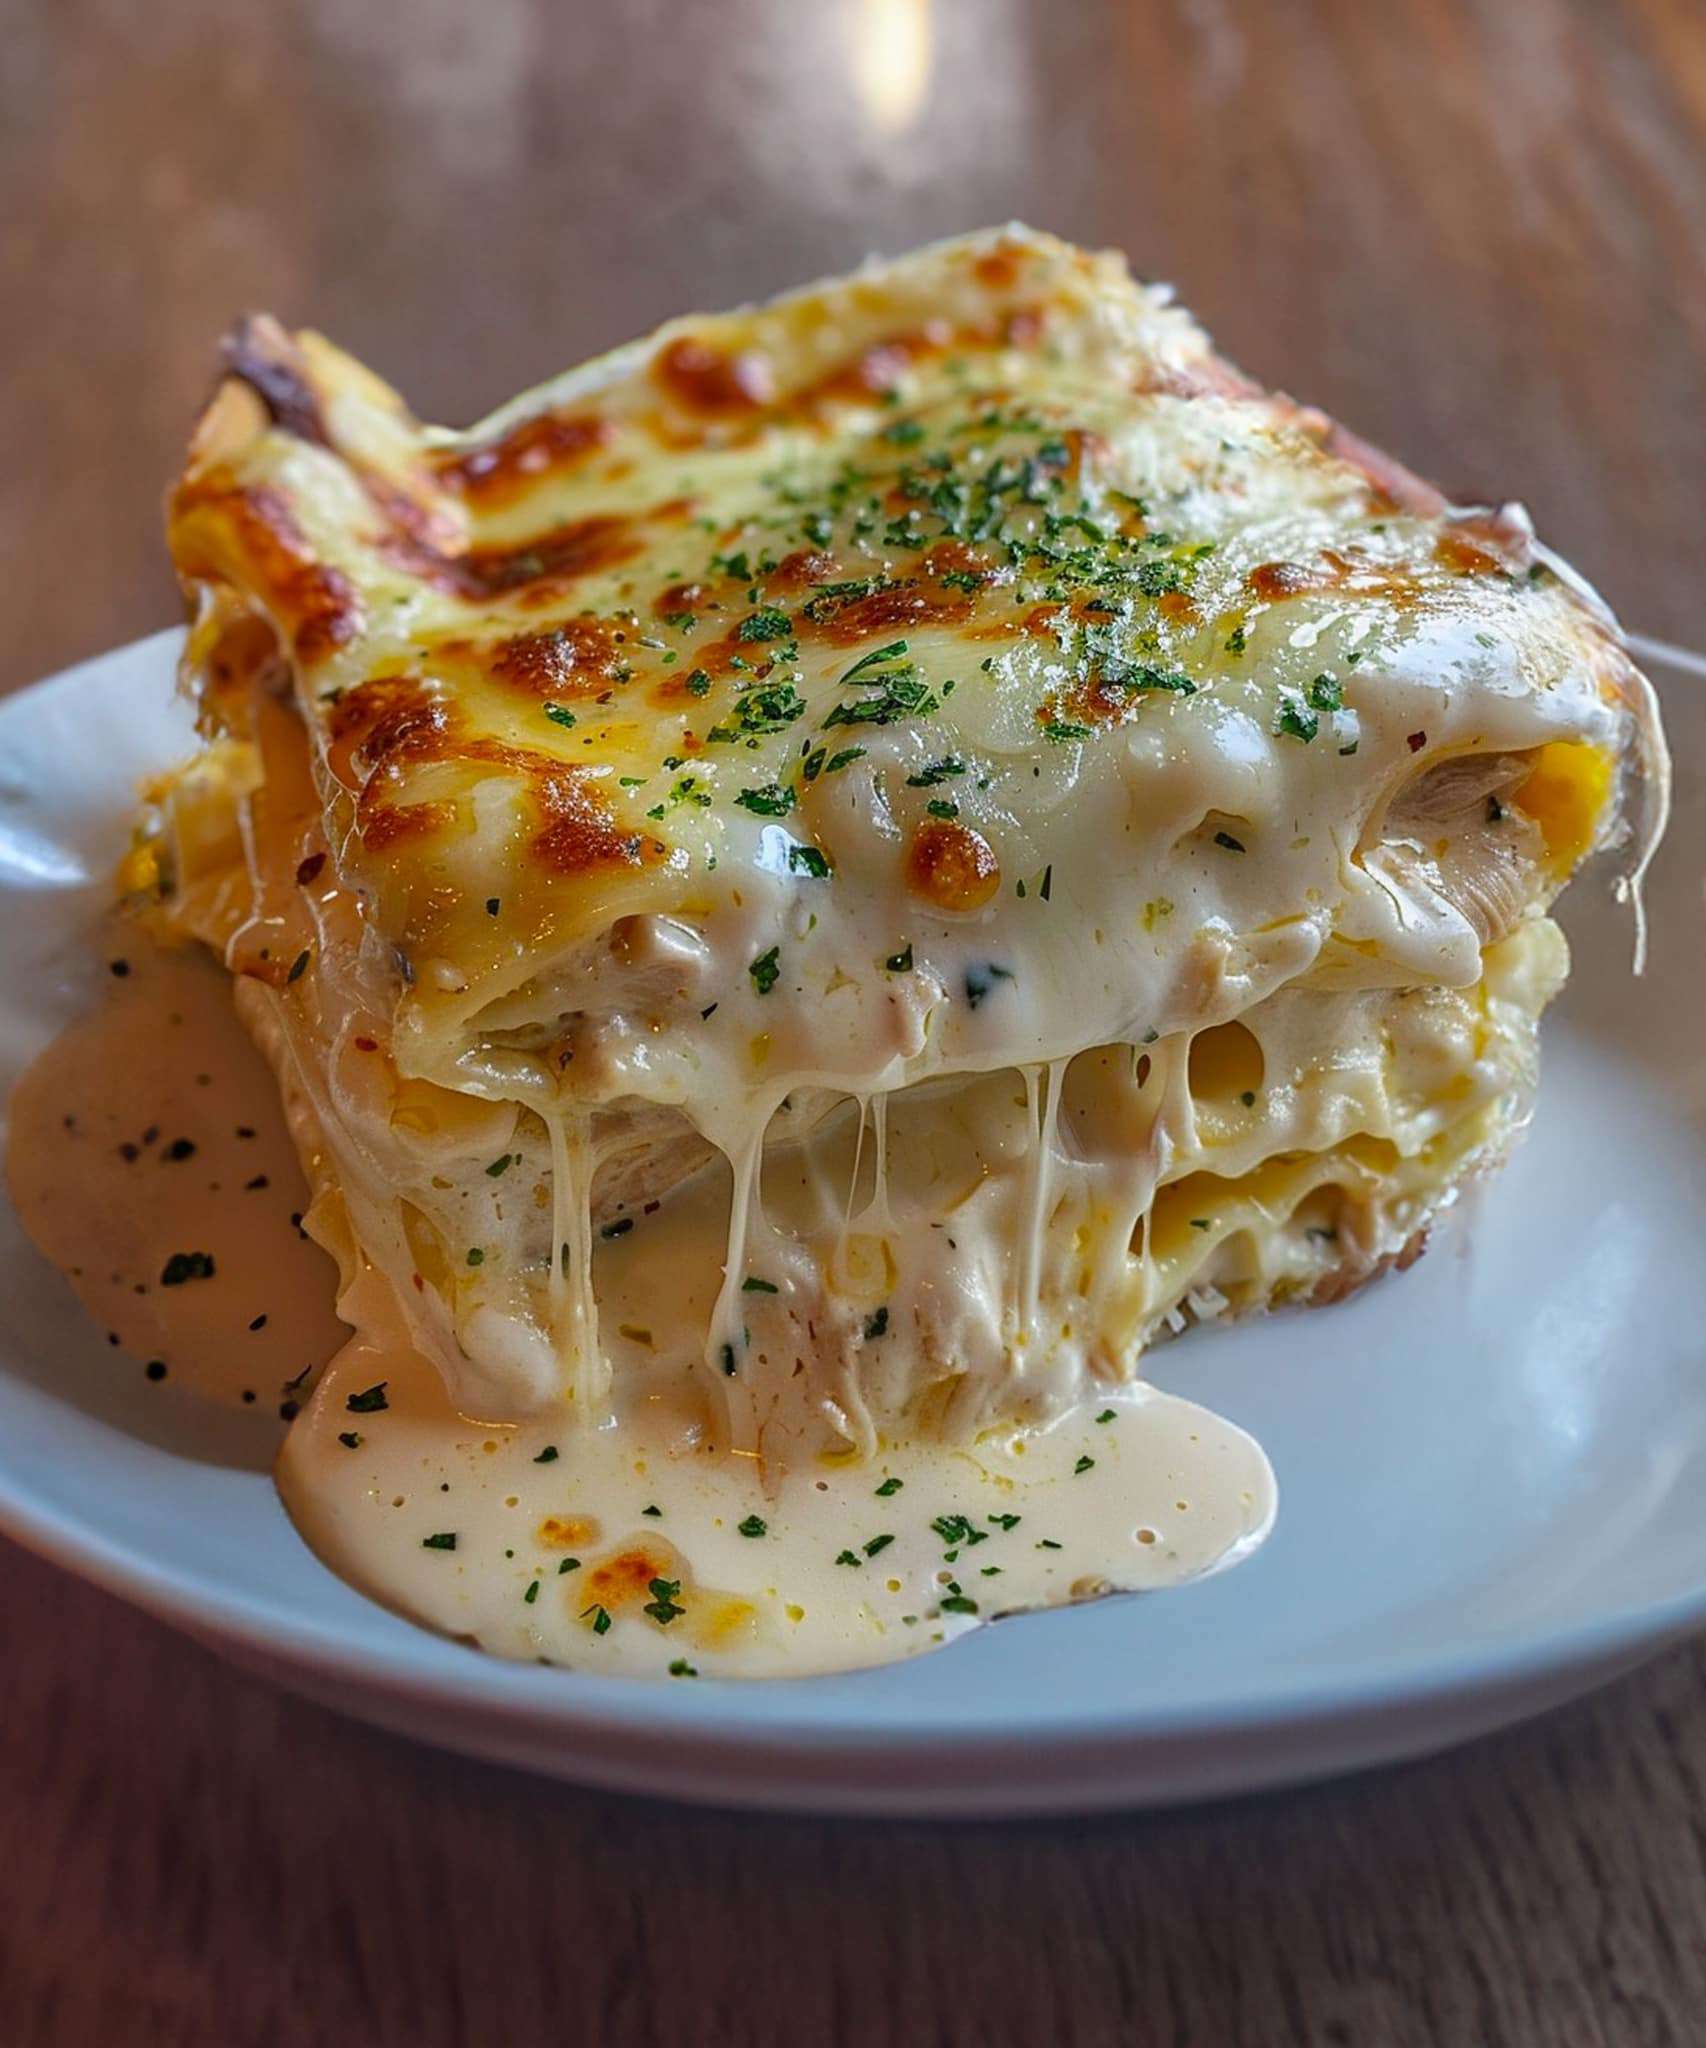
(189,1857)
(1472,228)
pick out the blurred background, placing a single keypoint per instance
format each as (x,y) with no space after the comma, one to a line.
(1471,228)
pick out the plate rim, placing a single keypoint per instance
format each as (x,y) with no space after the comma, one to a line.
(631,1715)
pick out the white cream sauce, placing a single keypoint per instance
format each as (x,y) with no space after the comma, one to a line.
(521,1536)
(149,1161)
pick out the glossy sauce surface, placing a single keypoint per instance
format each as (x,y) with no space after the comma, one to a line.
(636,1547)
(149,1161)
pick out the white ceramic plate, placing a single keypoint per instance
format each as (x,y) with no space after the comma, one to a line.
(1492,1470)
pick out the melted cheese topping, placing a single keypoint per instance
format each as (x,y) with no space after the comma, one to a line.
(853,863)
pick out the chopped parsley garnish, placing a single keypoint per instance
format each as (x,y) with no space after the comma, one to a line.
(940,807)
(548,1456)
(957,1603)
(904,433)
(1327,693)
(895,693)
(600,1617)
(350,1439)
(532,1592)
(956,1529)
(848,1557)
(773,800)
(765,624)
(1007,1521)
(444,1540)
(828,598)
(1159,579)
(937,772)
(1048,1543)
(652,1509)
(876,1324)
(369,1401)
(1226,839)
(806,860)
(764,971)
(901,962)
(878,1543)
(753,1285)
(888,1487)
(896,680)
(1083,1465)
(680,1668)
(1235,641)
(502,1164)
(772,708)
(182,1266)
(754,1525)
(568,1564)
(662,1605)
(298,966)
(476,1257)
(1107,1415)
(559,714)
(696,682)
(493,906)
(620,1227)
(1296,720)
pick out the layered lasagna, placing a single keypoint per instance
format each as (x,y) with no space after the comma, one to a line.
(854,864)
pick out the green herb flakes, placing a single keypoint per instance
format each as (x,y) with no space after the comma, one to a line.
(662,1606)
(184,1266)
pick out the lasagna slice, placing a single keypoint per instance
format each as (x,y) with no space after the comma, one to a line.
(850,865)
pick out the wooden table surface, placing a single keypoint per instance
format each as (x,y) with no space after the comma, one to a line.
(1473,228)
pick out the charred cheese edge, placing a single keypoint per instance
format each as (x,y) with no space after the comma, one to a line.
(950,672)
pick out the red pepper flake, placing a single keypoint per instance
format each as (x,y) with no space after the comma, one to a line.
(309,868)
(367,1045)
(1416,741)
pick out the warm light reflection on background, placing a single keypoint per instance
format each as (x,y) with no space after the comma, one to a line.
(891,44)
